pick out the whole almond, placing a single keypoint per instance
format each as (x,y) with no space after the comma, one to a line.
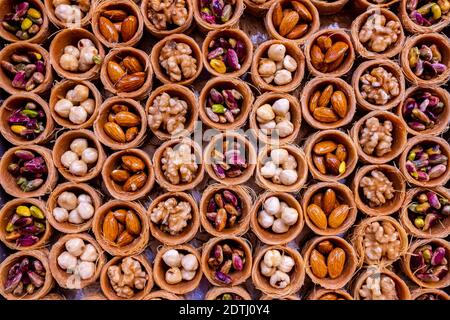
(119,108)
(329,198)
(288,23)
(332,163)
(133,163)
(341,152)
(115,71)
(277,15)
(317,216)
(131,82)
(125,238)
(108,30)
(114,131)
(319,162)
(120,215)
(317,56)
(325,97)
(324,42)
(127,119)
(131,133)
(129,28)
(314,101)
(115,15)
(318,264)
(325,115)
(335,64)
(298,31)
(339,103)
(110,227)
(325,247)
(132,64)
(317,199)
(132,223)
(338,216)
(119,175)
(336,262)
(135,182)
(302,11)
(337,50)
(323,147)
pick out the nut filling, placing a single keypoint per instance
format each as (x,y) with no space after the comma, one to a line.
(179,164)
(327,260)
(422,110)
(129,173)
(328,104)
(226,259)
(292,20)
(381,241)
(123,124)
(180,266)
(127,278)
(379,86)
(278,67)
(224,210)
(168,113)
(327,209)
(81,158)
(426,13)
(277,215)
(328,55)
(172,216)
(177,60)
(25,277)
(275,118)
(378,34)
(428,209)
(377,188)
(167,14)
(375,137)
(121,227)
(277,266)
(28,169)
(26,226)
(280,167)
(379,287)
(426,162)
(429,263)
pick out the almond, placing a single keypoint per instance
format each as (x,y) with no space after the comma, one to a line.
(129,28)
(124,239)
(120,215)
(339,103)
(336,51)
(115,15)
(132,223)
(115,71)
(298,31)
(325,97)
(335,64)
(317,216)
(313,101)
(132,64)
(110,227)
(318,264)
(302,11)
(341,152)
(325,247)
(108,30)
(324,42)
(131,133)
(325,115)
(133,163)
(119,175)
(119,108)
(319,162)
(317,56)
(135,182)
(323,147)
(131,82)
(114,131)
(288,23)
(277,16)
(336,262)
(127,119)
(329,198)
(332,163)
(338,216)
(317,199)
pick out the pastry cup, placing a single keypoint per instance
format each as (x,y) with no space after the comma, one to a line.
(318,293)
(443,119)
(191,229)
(242,224)
(297,274)
(400,285)
(160,268)
(319,84)
(130,7)
(9,209)
(335,35)
(414,28)
(266,235)
(388,65)
(160,73)
(11,104)
(313,26)
(343,194)
(42,256)
(406,264)
(20,47)
(60,90)
(358,241)
(50,12)
(137,246)
(7,6)
(73,280)
(327,8)
(120,53)
(62,145)
(399,135)
(416,294)
(291,49)
(77,188)
(302,169)
(107,288)
(116,190)
(150,27)
(237,277)
(257,10)
(443,44)
(445,148)
(8,181)
(228,33)
(294,109)
(365,4)
(226,82)
(233,22)
(180,92)
(361,48)
(350,266)
(440,230)
(217,141)
(338,137)
(68,37)
(102,118)
(398,182)
(162,295)
(216,292)
(159,174)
